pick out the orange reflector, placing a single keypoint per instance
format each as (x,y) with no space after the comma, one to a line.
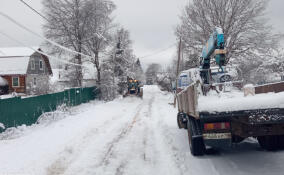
(216,126)
(209,126)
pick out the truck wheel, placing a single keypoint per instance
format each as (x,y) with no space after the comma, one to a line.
(270,143)
(196,144)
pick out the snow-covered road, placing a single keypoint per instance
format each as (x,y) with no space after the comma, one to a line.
(127,136)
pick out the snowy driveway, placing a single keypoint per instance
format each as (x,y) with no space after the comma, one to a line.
(127,136)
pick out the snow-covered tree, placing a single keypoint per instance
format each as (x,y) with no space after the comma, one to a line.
(166,77)
(138,72)
(99,31)
(247,34)
(67,25)
(82,26)
(152,73)
(264,68)
(118,66)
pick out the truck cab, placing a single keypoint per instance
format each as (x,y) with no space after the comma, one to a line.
(187,77)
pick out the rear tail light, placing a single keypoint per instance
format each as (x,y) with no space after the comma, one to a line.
(216,126)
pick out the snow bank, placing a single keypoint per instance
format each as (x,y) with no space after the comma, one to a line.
(236,101)
(43,121)
(2,126)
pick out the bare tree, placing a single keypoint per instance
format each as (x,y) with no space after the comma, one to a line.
(67,24)
(245,28)
(99,31)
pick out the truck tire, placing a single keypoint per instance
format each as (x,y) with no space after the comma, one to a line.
(196,143)
(270,143)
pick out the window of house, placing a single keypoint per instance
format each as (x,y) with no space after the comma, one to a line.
(34,81)
(32,64)
(40,65)
(15,82)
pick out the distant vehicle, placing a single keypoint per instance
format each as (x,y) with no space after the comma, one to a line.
(149,81)
(218,76)
(4,86)
(134,87)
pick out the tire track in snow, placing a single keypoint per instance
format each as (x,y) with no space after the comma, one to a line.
(116,140)
(123,135)
(163,132)
(72,151)
(146,129)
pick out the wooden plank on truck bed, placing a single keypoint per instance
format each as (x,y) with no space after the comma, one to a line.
(187,101)
(191,101)
(273,87)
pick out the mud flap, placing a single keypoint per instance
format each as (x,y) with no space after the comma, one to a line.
(182,120)
(196,142)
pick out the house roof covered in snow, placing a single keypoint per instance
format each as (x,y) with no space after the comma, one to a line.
(17,51)
(15,60)
(14,65)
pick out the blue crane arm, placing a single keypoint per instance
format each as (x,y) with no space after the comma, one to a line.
(215,45)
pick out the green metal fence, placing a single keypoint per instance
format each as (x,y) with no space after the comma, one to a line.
(18,111)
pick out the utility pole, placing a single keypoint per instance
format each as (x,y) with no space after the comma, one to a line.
(178,64)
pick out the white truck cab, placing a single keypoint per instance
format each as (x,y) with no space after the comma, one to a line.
(188,77)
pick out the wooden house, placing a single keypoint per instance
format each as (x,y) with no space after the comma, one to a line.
(25,70)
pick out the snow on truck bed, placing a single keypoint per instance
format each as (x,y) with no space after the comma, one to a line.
(235,101)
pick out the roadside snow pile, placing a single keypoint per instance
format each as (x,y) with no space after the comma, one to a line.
(44,120)
(235,101)
(2,126)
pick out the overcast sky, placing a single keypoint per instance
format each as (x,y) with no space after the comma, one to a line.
(151,24)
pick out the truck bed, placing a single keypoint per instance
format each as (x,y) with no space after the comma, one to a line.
(254,117)
(249,123)
(235,101)
(191,102)
(259,115)
(219,119)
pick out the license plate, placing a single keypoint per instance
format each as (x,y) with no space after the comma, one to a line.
(217,136)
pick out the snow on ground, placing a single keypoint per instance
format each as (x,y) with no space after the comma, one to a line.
(127,136)
(236,100)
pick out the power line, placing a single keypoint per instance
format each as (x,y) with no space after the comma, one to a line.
(49,56)
(34,10)
(98,35)
(38,35)
(158,52)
